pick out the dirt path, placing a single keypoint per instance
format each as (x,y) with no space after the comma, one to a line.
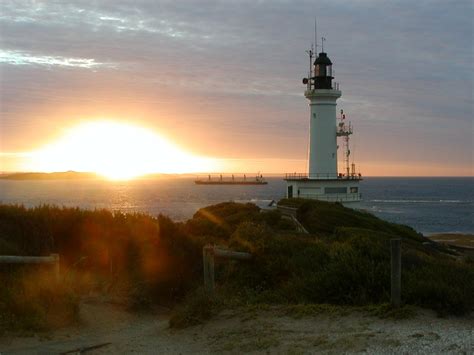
(255,332)
(103,322)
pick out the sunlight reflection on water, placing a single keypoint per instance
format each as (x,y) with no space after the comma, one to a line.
(427,204)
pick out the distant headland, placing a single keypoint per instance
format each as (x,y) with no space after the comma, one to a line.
(65,175)
(76,175)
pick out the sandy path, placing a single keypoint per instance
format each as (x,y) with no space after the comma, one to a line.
(254,332)
(103,322)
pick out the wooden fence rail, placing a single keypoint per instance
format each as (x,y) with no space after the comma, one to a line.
(52,259)
(291,214)
(299,227)
(289,211)
(209,253)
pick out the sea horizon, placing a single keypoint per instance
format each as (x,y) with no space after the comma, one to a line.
(282,174)
(430,205)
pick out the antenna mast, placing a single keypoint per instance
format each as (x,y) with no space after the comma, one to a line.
(345,130)
(315,36)
(308,80)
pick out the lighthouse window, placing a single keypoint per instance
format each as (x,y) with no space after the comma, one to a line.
(320,70)
(329,70)
(335,190)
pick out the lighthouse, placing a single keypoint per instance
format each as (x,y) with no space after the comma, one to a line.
(322,127)
(323,181)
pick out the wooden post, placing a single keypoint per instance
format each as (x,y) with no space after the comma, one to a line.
(56,266)
(209,254)
(212,281)
(396,272)
(206,261)
(205,266)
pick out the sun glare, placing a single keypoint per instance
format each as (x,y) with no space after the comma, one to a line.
(116,151)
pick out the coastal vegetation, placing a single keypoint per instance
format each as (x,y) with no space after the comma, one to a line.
(344,260)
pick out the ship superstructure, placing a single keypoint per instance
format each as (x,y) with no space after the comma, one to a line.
(232,180)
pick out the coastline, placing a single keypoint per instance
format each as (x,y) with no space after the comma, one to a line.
(463,240)
(180,198)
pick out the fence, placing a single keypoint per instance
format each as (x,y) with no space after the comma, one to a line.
(209,253)
(52,259)
(288,211)
(291,214)
(322,176)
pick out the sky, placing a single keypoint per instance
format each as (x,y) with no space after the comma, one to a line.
(222,79)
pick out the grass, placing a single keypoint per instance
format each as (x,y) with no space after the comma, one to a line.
(35,301)
(387,311)
(343,262)
(196,308)
(199,308)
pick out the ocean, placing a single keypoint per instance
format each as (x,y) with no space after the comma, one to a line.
(430,205)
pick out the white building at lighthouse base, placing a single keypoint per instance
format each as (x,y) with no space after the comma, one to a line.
(338,189)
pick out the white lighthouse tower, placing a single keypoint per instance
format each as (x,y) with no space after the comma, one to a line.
(323,181)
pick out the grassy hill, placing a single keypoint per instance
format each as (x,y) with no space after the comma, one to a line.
(344,260)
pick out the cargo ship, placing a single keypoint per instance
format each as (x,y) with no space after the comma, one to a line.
(257,180)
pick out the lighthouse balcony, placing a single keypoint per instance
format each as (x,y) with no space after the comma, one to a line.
(343,198)
(323,93)
(321,176)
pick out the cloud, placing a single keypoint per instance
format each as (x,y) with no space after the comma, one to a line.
(22,58)
(403,66)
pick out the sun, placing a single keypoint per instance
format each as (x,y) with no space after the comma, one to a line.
(116,151)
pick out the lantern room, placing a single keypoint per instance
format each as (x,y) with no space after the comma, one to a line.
(323,71)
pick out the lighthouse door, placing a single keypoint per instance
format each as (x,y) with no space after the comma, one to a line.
(290,191)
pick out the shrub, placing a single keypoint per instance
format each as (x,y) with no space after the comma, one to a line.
(196,308)
(444,285)
(344,260)
(33,300)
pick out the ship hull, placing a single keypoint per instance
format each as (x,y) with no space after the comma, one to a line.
(198,182)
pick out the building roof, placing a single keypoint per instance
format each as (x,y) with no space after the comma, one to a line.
(323,59)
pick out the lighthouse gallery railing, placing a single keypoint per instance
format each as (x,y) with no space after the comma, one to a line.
(322,176)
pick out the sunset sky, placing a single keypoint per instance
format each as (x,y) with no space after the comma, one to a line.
(220,81)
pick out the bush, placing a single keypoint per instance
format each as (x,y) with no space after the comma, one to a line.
(444,285)
(33,300)
(196,308)
(345,260)
(216,223)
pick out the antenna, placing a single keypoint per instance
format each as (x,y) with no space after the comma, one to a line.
(322,43)
(310,54)
(345,130)
(315,36)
